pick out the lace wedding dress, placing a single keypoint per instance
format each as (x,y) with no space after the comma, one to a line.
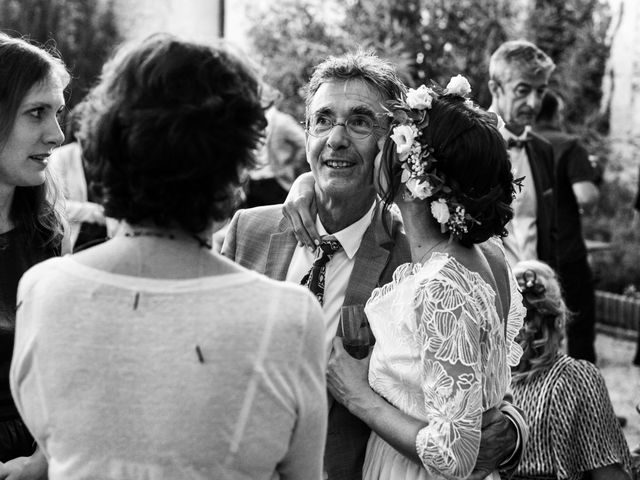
(442,355)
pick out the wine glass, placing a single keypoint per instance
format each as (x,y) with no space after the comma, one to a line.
(356,333)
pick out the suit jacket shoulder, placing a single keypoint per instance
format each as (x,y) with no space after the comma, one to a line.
(260,239)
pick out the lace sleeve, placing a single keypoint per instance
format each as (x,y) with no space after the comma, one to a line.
(450,328)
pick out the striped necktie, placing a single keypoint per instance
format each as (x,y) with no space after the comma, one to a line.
(314,280)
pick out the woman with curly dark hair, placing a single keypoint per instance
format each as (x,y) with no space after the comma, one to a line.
(150,355)
(32,82)
(574,433)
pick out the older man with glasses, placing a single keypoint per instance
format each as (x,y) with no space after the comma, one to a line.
(361,243)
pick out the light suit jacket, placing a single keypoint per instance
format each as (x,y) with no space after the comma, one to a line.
(262,240)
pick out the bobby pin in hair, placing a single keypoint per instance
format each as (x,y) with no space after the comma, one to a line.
(136,300)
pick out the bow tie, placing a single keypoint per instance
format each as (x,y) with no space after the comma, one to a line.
(517,142)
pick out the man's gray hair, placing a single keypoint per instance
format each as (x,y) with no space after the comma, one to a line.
(521,56)
(362,65)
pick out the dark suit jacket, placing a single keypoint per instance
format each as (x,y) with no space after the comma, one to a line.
(540,154)
(261,239)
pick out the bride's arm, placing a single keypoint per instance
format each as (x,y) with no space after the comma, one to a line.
(300,209)
(347,381)
(451,391)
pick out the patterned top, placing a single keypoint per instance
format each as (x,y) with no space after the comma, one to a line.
(442,355)
(572,425)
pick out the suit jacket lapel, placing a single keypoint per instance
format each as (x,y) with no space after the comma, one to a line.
(535,168)
(282,244)
(370,260)
(538,183)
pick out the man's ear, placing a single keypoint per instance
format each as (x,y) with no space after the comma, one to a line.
(494,87)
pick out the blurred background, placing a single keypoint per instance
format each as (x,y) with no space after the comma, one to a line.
(595,44)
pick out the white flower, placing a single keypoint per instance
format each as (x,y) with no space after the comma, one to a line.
(420,98)
(459,85)
(403,136)
(419,189)
(440,211)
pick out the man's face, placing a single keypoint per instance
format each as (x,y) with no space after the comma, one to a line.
(341,165)
(518,100)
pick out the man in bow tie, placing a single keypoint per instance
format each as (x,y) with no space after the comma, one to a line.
(519,73)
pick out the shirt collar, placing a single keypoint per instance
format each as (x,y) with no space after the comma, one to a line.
(350,237)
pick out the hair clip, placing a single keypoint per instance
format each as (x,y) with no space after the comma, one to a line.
(529,284)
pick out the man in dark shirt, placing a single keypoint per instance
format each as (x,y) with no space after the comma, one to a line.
(575,193)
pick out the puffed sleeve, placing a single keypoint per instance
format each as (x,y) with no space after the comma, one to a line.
(585,433)
(451,326)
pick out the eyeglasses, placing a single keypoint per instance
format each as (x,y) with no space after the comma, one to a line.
(358,126)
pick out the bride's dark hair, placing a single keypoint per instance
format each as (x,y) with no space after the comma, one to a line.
(472,156)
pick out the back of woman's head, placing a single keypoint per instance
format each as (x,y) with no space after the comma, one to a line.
(472,156)
(544,326)
(168,131)
(468,155)
(23,66)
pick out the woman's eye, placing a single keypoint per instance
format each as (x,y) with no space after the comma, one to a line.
(36,113)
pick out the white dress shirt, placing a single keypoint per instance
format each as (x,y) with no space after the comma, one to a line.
(522,241)
(338,269)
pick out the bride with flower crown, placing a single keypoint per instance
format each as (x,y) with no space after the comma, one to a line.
(445,326)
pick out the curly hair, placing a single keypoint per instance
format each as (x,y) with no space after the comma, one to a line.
(472,155)
(168,132)
(24,65)
(543,331)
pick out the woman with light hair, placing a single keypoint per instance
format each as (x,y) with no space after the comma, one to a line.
(574,433)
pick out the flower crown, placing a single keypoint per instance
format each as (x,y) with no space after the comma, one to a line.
(420,174)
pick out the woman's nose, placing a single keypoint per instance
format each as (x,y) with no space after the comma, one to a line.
(54,135)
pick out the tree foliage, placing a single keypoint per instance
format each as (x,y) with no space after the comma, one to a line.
(435,39)
(573,33)
(84,32)
(426,39)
